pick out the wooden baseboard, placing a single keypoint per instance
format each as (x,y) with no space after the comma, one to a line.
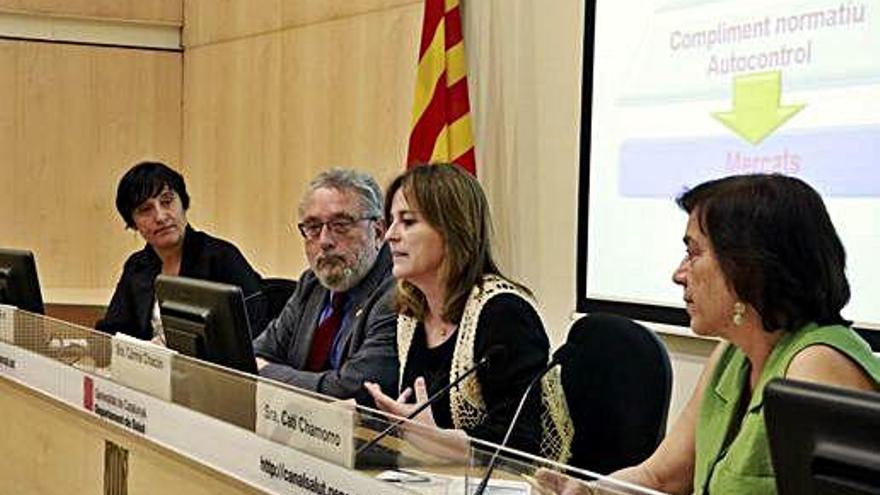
(78,314)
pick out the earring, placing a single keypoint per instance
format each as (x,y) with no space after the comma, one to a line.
(739,313)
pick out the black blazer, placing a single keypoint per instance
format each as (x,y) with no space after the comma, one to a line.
(204,257)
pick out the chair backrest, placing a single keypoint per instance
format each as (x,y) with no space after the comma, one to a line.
(277,291)
(618,387)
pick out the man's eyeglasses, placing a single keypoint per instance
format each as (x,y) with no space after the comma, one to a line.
(338,226)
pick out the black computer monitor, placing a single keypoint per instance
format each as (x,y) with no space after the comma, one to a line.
(823,440)
(206,320)
(19,285)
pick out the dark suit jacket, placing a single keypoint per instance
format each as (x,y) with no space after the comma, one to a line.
(367,336)
(204,257)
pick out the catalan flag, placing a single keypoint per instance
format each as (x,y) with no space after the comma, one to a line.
(441,129)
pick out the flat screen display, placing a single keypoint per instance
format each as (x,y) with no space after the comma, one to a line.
(677,92)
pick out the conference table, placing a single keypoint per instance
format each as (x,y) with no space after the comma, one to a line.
(88,413)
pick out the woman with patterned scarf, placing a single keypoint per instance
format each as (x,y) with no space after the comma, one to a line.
(454,305)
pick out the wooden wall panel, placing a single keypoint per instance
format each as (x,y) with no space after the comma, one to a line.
(232,133)
(141,10)
(263,114)
(73,119)
(210,21)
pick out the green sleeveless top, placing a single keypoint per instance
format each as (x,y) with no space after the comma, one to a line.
(745,465)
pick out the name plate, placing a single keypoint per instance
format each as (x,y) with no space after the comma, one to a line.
(7,323)
(117,404)
(142,365)
(323,429)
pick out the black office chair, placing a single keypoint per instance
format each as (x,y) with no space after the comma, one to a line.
(276,292)
(618,387)
(872,337)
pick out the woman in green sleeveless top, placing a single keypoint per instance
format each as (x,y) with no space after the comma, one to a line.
(765,273)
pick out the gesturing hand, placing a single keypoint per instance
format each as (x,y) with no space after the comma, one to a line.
(399,406)
(427,437)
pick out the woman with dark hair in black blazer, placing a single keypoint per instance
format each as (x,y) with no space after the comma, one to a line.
(152,199)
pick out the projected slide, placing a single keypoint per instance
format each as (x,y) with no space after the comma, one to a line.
(689,90)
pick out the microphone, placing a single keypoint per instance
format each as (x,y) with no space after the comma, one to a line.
(563,354)
(493,354)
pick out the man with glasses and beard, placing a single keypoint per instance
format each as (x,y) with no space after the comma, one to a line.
(338,328)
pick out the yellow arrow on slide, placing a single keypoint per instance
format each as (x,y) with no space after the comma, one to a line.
(756,111)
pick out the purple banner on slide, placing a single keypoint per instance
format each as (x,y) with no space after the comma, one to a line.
(837,161)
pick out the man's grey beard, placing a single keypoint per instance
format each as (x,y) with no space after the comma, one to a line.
(350,276)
